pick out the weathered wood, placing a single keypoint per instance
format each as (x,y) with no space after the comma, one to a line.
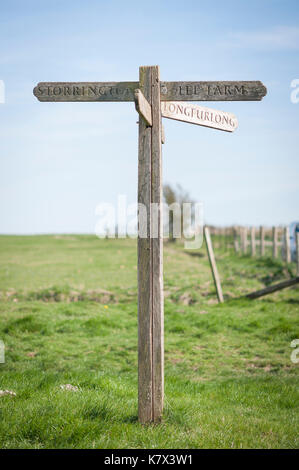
(170,91)
(297,251)
(252,240)
(143,107)
(274,241)
(287,247)
(157,251)
(199,115)
(85,91)
(262,240)
(213,91)
(213,265)
(273,288)
(145,326)
(150,258)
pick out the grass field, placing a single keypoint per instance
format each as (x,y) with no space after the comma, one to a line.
(68,315)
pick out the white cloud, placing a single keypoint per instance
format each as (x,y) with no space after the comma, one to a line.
(280,37)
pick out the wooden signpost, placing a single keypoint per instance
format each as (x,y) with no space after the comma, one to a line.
(149,94)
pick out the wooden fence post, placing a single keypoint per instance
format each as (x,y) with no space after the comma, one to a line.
(241,229)
(252,240)
(273,288)
(213,265)
(225,230)
(244,240)
(262,240)
(236,242)
(274,237)
(287,245)
(297,251)
(150,253)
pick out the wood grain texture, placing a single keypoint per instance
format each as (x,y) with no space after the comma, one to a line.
(252,241)
(170,91)
(274,241)
(199,115)
(145,386)
(287,247)
(157,251)
(143,107)
(150,258)
(262,240)
(213,91)
(85,91)
(213,264)
(273,288)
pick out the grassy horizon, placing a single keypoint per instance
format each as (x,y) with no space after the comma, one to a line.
(68,315)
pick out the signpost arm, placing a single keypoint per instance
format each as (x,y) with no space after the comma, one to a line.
(143,107)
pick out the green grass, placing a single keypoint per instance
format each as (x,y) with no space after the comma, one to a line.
(68,314)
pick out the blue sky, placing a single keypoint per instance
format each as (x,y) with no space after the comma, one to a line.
(59,160)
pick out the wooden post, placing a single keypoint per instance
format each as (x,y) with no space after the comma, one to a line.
(244,239)
(297,251)
(150,256)
(262,241)
(213,265)
(225,234)
(236,242)
(252,240)
(287,245)
(275,246)
(273,288)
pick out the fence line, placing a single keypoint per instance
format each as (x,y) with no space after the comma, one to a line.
(272,241)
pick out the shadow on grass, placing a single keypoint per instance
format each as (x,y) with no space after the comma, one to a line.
(194,254)
(130,419)
(292,301)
